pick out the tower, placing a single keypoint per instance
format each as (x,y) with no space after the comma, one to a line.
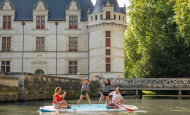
(106,26)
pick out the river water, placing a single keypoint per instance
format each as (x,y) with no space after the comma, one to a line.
(148,105)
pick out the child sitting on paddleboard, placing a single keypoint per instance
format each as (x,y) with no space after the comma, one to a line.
(57,103)
(85,89)
(106,88)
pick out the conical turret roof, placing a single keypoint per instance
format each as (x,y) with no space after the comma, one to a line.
(99,6)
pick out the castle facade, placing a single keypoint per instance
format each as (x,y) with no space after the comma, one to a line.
(61,37)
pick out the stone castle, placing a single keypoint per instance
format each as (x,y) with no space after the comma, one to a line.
(61,37)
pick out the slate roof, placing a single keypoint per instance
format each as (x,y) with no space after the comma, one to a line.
(122,9)
(99,6)
(56,9)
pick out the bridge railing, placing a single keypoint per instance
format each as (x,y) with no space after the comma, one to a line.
(150,82)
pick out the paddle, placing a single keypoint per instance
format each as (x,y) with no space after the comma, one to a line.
(64,95)
(121,105)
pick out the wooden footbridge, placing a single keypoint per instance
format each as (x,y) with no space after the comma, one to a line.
(139,84)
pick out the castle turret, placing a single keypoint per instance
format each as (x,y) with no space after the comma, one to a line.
(106,25)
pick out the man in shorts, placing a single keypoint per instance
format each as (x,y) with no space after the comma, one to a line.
(116,96)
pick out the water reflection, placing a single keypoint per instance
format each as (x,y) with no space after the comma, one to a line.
(91,113)
(148,105)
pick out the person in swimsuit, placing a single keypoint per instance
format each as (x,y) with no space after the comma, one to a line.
(106,88)
(85,89)
(57,103)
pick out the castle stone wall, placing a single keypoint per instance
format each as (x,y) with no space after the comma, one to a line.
(8,89)
(41,87)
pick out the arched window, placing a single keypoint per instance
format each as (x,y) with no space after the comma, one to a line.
(39,71)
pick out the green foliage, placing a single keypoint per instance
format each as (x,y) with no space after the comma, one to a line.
(154,44)
(182,18)
(51,92)
(148,93)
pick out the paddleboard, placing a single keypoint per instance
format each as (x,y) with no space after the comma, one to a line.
(87,108)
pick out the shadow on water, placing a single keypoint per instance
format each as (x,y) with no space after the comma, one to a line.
(148,105)
(95,113)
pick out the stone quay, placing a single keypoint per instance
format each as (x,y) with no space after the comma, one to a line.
(28,86)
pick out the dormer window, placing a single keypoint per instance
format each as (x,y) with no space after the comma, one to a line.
(91,18)
(108,15)
(40,22)
(101,17)
(95,17)
(114,17)
(6,22)
(73,22)
(119,17)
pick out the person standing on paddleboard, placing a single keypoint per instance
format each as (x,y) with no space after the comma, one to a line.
(85,89)
(117,99)
(106,88)
(57,103)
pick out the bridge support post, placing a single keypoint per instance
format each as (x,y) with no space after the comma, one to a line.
(179,94)
(140,93)
(137,95)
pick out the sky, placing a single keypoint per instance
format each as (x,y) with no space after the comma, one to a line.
(121,2)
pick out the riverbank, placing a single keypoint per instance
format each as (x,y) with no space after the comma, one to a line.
(40,87)
(164,92)
(8,89)
(166,96)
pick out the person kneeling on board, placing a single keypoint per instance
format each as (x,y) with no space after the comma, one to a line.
(117,99)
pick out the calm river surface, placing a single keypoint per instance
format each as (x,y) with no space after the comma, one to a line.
(148,105)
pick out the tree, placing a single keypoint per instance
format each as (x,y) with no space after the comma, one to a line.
(182,18)
(153,46)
